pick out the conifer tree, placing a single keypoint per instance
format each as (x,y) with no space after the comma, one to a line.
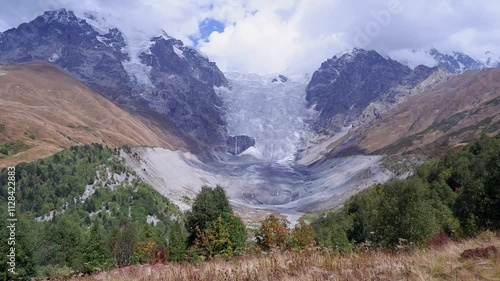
(96,257)
(177,243)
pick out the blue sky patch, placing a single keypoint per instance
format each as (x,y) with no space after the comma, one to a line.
(206,27)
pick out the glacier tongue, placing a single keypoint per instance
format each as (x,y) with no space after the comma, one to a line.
(269,110)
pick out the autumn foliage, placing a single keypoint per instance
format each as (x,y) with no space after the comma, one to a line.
(274,234)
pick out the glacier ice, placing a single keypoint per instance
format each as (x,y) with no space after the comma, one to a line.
(271,112)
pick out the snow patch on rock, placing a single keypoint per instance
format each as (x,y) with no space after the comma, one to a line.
(53,58)
(136,46)
(178,52)
(254,152)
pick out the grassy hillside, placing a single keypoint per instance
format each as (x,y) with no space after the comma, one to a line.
(44,111)
(457,111)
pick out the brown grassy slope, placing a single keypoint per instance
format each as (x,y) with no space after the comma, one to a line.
(48,110)
(458,110)
(443,263)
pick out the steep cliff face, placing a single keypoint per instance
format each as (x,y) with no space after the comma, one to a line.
(160,78)
(343,87)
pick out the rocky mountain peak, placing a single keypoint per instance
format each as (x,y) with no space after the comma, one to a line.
(456,62)
(158,77)
(343,86)
(61,15)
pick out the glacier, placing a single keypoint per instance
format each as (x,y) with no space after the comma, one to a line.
(286,172)
(268,109)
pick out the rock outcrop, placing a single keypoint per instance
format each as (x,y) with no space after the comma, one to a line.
(238,144)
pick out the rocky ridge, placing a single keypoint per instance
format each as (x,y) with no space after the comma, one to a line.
(161,78)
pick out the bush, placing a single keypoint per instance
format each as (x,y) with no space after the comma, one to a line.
(404,212)
(273,234)
(224,237)
(331,231)
(122,243)
(148,252)
(302,236)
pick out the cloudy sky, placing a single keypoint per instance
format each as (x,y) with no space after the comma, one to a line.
(265,36)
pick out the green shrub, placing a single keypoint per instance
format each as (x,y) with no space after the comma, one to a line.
(302,236)
(208,205)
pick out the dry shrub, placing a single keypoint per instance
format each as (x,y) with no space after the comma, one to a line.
(480,253)
(438,241)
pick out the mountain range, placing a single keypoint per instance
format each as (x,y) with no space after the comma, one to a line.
(284,143)
(159,79)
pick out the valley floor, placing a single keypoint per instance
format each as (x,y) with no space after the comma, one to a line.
(434,263)
(257,187)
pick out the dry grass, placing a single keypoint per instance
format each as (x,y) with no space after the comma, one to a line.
(442,263)
(470,92)
(48,110)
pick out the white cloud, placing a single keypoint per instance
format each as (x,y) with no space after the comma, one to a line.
(265,36)
(299,35)
(3,25)
(413,58)
(262,36)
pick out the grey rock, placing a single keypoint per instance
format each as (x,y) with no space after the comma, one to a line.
(456,62)
(283,78)
(180,96)
(238,144)
(343,87)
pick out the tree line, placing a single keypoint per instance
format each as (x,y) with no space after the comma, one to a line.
(457,195)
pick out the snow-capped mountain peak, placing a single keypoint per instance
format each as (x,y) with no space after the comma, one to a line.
(147,74)
(61,15)
(491,60)
(453,62)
